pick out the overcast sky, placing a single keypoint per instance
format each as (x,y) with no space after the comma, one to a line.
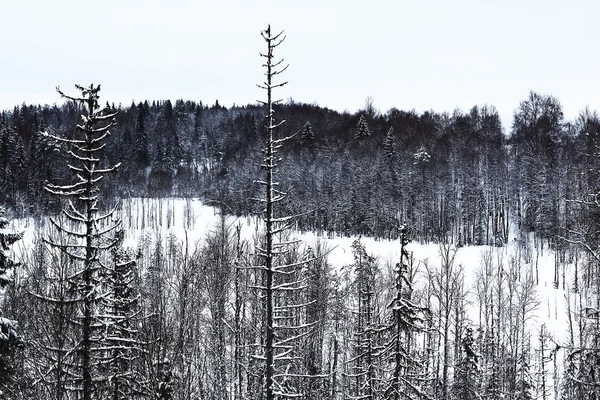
(418,54)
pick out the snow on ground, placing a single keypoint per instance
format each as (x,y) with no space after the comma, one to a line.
(190,217)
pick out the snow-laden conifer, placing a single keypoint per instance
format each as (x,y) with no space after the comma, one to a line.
(83,234)
(7,238)
(364,372)
(281,279)
(9,338)
(409,379)
(466,384)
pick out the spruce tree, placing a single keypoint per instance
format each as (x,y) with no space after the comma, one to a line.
(279,263)
(389,146)
(83,235)
(525,386)
(466,373)
(142,142)
(365,374)
(9,338)
(121,315)
(362,129)
(408,318)
(307,137)
(7,238)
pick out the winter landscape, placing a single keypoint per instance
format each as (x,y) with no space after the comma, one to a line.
(175,249)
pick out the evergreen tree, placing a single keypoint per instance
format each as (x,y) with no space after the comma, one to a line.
(7,238)
(122,316)
(362,129)
(10,157)
(466,374)
(170,136)
(408,319)
(525,385)
(364,375)
(544,358)
(83,236)
(307,136)
(9,338)
(389,145)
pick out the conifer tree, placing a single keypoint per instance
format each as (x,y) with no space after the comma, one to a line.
(7,238)
(84,234)
(543,390)
(525,386)
(407,380)
(281,280)
(466,374)
(364,375)
(362,129)
(389,146)
(9,338)
(307,136)
(142,142)
(121,316)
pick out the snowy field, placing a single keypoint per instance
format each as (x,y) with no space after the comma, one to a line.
(192,219)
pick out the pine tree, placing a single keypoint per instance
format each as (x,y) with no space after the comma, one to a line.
(84,235)
(281,278)
(121,316)
(9,338)
(362,129)
(389,145)
(466,374)
(307,136)
(7,238)
(407,380)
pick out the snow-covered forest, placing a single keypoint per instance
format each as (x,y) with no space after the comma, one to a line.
(285,250)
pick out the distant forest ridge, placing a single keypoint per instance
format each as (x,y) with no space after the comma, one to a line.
(451,177)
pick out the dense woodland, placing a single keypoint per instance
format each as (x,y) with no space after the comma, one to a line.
(456,178)
(227,318)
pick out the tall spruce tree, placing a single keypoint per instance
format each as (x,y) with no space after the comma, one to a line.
(466,374)
(281,280)
(7,238)
(408,318)
(364,375)
(84,234)
(142,142)
(9,338)
(362,129)
(121,316)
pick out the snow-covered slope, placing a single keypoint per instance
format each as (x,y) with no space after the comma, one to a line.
(191,218)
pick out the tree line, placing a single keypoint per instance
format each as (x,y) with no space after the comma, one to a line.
(456,177)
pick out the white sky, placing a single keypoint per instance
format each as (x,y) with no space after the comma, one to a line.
(418,54)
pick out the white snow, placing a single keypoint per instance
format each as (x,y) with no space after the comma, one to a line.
(189,217)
